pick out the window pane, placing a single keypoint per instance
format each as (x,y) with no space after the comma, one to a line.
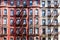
(24,31)
(11,38)
(49,11)
(24,3)
(43,22)
(31,11)
(36,2)
(24,38)
(11,30)
(5,2)
(11,12)
(5,30)
(55,21)
(17,38)
(37,38)
(49,30)
(30,2)
(18,2)
(36,12)
(4,21)
(55,12)
(5,11)
(44,31)
(43,38)
(18,31)
(0,2)
(43,13)
(31,31)
(11,2)
(5,38)
(30,21)
(11,21)
(36,21)
(18,21)
(56,29)
(24,12)
(49,3)
(31,38)
(43,3)
(36,31)
(17,12)
(55,2)
(49,21)
(24,21)
(49,38)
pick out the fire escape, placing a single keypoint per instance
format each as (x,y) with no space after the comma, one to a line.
(54,23)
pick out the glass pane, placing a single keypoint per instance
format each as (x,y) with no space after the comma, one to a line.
(31,11)
(30,3)
(43,3)
(5,11)
(11,12)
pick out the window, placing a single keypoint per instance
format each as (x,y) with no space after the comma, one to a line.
(17,12)
(17,38)
(56,29)
(5,21)
(43,38)
(43,22)
(55,2)
(5,31)
(18,31)
(24,3)
(11,31)
(49,21)
(49,30)
(36,12)
(11,2)
(36,38)
(43,13)
(43,3)
(49,12)
(24,38)
(36,21)
(18,2)
(11,21)
(5,38)
(55,12)
(49,3)
(5,2)
(49,38)
(24,31)
(55,21)
(24,21)
(11,12)
(44,31)
(31,31)
(36,2)
(18,21)
(11,38)
(31,38)
(0,2)
(36,30)
(31,12)
(31,2)
(5,11)
(24,12)
(30,21)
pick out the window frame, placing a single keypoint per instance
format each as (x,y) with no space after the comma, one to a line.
(11,12)
(5,11)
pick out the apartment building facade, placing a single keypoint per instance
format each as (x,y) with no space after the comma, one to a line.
(29,20)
